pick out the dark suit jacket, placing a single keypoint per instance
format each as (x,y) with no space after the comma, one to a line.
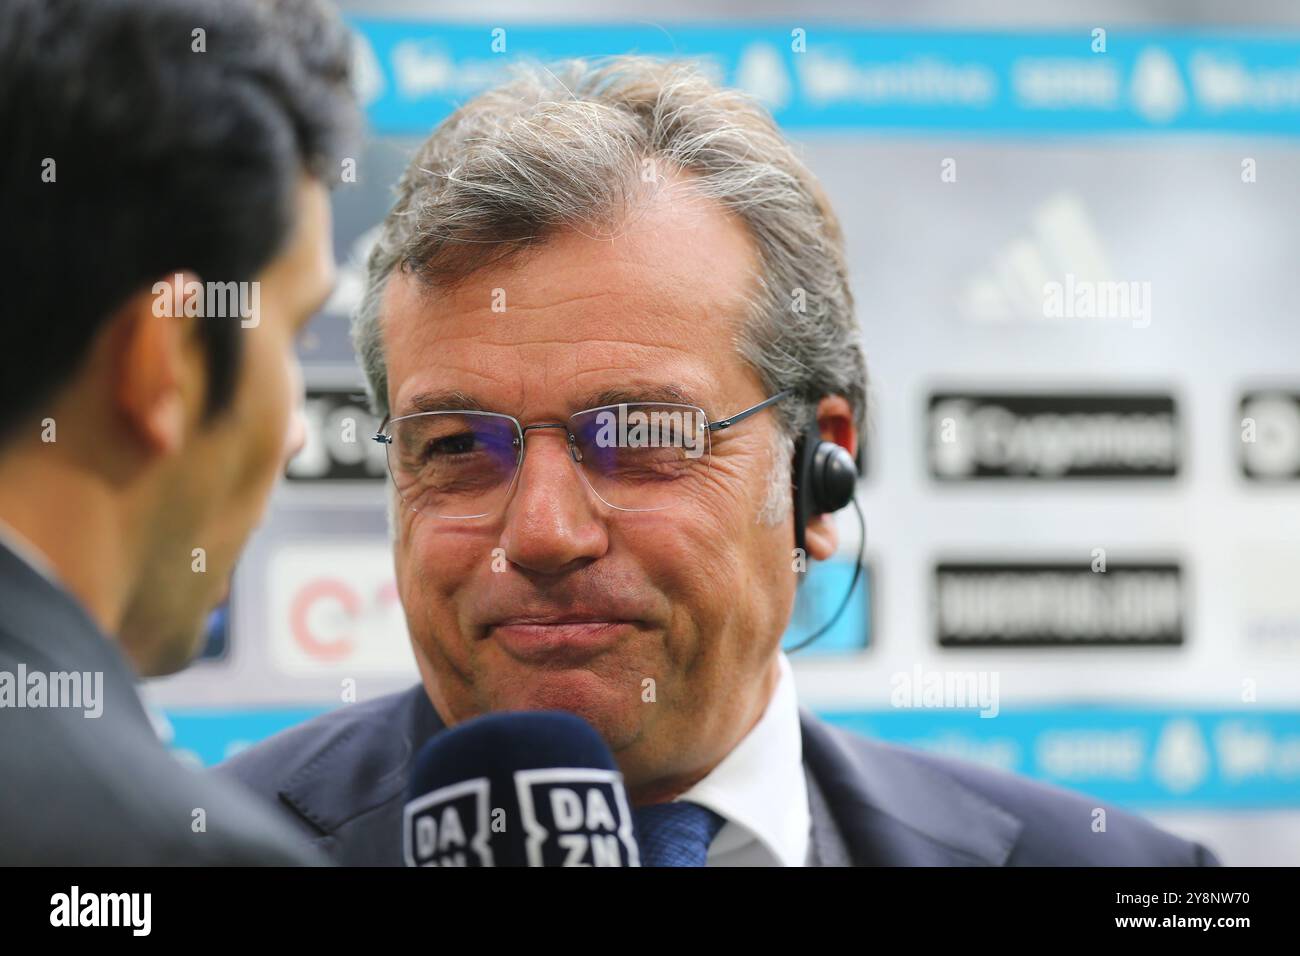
(104,791)
(344,776)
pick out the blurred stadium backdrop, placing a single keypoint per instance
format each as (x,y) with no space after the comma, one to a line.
(1074,257)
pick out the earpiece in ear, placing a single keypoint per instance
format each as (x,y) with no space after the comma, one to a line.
(835,477)
(825,478)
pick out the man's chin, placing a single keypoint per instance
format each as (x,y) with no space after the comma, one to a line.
(615,713)
(173,655)
(188,646)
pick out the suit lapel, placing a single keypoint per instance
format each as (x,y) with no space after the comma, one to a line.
(893,809)
(826,846)
(354,789)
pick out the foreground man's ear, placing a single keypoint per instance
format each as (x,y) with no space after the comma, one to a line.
(153,353)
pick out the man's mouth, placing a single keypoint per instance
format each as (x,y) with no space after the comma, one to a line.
(559,639)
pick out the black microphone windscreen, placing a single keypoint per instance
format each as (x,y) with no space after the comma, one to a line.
(537,788)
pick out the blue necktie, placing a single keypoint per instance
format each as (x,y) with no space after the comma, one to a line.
(675,834)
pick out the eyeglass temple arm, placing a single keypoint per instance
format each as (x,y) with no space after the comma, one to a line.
(753,409)
(379,435)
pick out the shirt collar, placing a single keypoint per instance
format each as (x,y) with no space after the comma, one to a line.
(28,553)
(759,788)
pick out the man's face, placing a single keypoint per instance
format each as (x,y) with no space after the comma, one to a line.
(217,488)
(695,597)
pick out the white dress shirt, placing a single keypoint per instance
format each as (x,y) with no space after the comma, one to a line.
(759,789)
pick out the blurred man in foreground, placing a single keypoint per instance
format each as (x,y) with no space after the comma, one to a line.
(167,233)
(573,257)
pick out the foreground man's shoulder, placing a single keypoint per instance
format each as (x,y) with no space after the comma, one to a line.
(122,800)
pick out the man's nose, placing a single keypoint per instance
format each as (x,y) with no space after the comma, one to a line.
(295,436)
(551,520)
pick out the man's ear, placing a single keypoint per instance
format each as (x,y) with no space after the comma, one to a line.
(835,423)
(156,363)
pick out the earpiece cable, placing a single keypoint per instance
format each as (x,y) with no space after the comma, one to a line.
(857,573)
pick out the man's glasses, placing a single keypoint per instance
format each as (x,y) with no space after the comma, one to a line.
(635,456)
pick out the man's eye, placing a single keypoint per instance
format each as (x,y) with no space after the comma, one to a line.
(451,445)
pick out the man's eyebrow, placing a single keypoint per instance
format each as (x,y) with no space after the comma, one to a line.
(444,400)
(646,392)
(452,400)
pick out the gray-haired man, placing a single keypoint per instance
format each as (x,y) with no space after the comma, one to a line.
(629,235)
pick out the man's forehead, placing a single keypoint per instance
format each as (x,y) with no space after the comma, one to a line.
(306,263)
(649,314)
(557,293)
(674,255)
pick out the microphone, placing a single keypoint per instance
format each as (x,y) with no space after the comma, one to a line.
(535,788)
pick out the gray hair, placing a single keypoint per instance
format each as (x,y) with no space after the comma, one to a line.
(567,146)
